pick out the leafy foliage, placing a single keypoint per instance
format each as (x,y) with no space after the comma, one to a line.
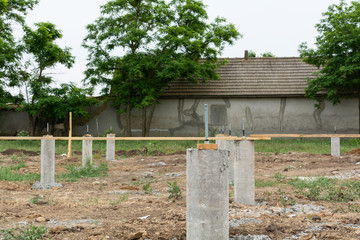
(42,102)
(56,103)
(137,47)
(23,233)
(267,54)
(252,53)
(12,13)
(337,54)
(174,190)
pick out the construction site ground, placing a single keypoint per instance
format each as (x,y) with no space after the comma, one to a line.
(117,206)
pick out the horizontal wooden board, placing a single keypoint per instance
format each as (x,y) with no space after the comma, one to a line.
(305,135)
(207,146)
(138,138)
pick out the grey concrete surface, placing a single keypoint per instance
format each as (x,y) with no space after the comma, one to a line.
(185,117)
(335,146)
(110,148)
(244,173)
(86,151)
(47,179)
(228,145)
(207,195)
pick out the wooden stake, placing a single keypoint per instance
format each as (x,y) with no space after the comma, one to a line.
(70,135)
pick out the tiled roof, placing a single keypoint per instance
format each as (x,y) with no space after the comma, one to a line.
(255,77)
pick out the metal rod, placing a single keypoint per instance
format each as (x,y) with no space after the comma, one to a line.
(335,129)
(206,124)
(243,129)
(110,129)
(87,129)
(229,129)
(47,128)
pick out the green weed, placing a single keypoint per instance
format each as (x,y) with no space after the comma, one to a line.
(280,178)
(24,233)
(147,188)
(121,198)
(174,190)
(35,200)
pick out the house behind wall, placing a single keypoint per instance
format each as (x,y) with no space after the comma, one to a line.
(266,93)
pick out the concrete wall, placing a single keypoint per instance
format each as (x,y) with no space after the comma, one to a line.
(185,117)
(12,122)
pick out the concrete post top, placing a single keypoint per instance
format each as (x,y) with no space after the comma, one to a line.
(47,136)
(87,135)
(110,135)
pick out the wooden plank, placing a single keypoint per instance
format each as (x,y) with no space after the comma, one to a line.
(207,146)
(139,138)
(70,135)
(305,135)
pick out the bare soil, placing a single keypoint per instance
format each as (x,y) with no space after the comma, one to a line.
(116,207)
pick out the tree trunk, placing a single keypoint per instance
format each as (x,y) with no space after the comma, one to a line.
(149,119)
(359,109)
(32,128)
(128,120)
(143,122)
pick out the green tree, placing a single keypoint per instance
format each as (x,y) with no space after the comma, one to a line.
(43,53)
(267,54)
(137,47)
(252,54)
(54,104)
(337,55)
(12,13)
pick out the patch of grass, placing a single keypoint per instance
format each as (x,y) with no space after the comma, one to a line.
(318,146)
(309,145)
(323,188)
(75,173)
(10,174)
(279,177)
(35,200)
(265,183)
(120,199)
(24,233)
(18,166)
(136,182)
(284,199)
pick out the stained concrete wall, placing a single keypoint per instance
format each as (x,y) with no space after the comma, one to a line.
(185,117)
(12,122)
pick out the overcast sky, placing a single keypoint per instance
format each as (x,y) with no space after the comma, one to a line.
(278,26)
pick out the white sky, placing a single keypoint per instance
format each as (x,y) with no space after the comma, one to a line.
(278,26)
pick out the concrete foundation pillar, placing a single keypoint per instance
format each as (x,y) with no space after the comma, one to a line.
(86,150)
(335,146)
(47,165)
(228,145)
(207,195)
(244,176)
(110,147)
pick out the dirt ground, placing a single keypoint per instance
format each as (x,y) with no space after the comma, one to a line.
(116,207)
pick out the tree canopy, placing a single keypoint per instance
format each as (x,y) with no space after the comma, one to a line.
(12,12)
(137,47)
(43,53)
(337,54)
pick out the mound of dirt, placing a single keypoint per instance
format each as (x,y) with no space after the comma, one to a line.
(19,152)
(354,151)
